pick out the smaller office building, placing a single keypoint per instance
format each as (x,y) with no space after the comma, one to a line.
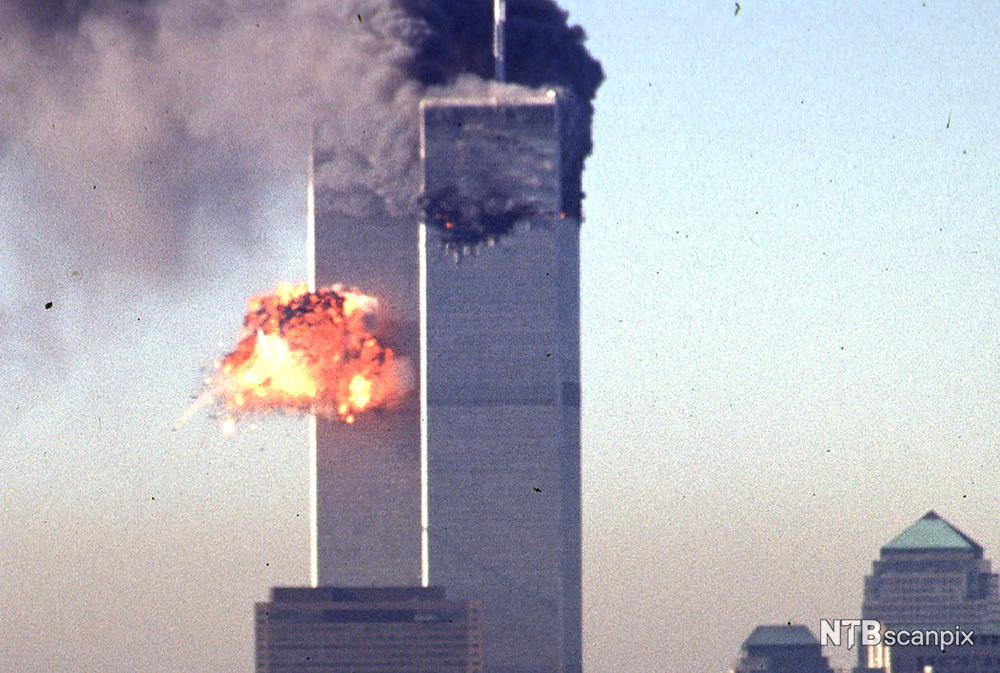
(790,648)
(376,630)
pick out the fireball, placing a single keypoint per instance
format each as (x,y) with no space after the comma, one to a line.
(310,352)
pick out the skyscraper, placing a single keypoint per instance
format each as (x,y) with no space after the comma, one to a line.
(366,476)
(474,483)
(932,575)
(500,391)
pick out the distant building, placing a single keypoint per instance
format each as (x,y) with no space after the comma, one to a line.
(375,630)
(930,576)
(790,648)
(982,656)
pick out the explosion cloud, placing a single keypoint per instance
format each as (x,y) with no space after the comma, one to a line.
(311,352)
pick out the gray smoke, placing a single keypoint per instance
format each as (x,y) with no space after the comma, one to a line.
(136,121)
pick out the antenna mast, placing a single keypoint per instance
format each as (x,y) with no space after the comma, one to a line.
(499,19)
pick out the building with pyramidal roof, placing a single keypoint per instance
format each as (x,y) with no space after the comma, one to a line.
(932,575)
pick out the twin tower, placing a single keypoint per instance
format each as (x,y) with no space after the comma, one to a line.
(473,484)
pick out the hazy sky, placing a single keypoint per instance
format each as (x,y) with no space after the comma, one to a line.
(790,292)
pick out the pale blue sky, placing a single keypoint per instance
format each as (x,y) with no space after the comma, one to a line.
(790,353)
(790,292)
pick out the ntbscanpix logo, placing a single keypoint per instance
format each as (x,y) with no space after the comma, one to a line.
(872,633)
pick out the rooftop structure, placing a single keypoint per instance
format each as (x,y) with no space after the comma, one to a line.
(931,532)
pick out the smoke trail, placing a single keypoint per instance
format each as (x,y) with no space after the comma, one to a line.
(140,121)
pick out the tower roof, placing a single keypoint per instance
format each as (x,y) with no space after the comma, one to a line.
(782,634)
(932,532)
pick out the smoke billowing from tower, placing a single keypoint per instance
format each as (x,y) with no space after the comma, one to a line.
(136,130)
(135,120)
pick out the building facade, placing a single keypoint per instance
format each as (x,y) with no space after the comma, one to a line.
(384,630)
(501,374)
(366,476)
(982,655)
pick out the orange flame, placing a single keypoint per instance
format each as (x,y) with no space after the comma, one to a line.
(310,351)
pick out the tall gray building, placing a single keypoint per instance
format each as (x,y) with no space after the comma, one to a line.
(500,371)
(474,483)
(366,476)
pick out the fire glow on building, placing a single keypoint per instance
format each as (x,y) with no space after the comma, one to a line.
(444,392)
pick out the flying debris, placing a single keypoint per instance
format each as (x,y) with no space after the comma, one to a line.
(310,352)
